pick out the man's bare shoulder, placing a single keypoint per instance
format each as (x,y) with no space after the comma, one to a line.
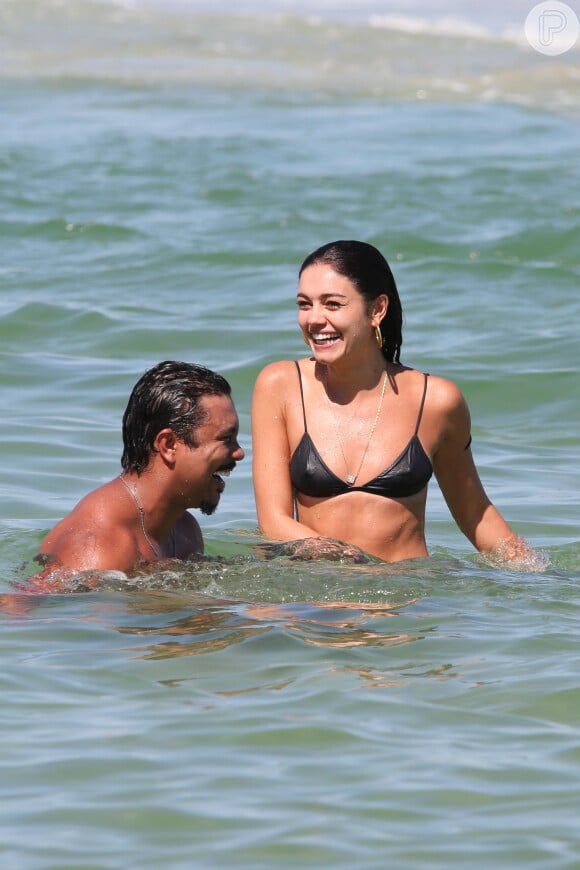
(94,535)
(188,537)
(99,508)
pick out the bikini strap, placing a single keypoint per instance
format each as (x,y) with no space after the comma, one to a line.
(422,404)
(301,394)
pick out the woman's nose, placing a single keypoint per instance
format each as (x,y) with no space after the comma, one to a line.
(316,316)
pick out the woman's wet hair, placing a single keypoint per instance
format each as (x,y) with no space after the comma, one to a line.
(167,396)
(370,273)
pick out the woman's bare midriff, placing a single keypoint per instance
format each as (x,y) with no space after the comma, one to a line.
(391,529)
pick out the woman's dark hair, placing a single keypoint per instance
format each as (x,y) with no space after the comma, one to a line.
(166,397)
(370,273)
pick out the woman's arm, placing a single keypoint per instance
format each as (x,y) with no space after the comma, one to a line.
(476,516)
(271,453)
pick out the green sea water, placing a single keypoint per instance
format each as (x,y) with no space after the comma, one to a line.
(162,177)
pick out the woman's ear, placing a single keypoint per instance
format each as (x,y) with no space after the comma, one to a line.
(379,309)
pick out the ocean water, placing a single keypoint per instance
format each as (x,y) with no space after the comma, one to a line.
(164,169)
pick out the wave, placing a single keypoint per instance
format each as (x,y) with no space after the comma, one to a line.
(382,54)
(416,26)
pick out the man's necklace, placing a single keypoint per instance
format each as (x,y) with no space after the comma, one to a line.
(154,546)
(351,479)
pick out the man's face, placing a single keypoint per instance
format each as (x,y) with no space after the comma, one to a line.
(215,452)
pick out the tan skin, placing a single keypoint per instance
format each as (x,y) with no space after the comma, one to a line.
(342,383)
(103,532)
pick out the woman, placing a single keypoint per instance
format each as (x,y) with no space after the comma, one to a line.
(346,440)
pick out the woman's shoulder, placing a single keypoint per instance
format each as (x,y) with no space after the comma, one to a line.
(446,406)
(277,374)
(277,386)
(444,391)
(441,394)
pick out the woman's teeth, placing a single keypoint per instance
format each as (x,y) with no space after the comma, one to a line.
(324,337)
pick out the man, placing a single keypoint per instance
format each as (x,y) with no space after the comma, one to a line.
(180,431)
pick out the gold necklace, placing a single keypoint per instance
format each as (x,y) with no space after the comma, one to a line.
(154,546)
(352,478)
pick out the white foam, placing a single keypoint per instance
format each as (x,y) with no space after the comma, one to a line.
(521,557)
(454,27)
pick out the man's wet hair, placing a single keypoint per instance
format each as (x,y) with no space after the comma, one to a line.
(167,396)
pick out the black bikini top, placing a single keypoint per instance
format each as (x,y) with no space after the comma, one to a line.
(407,475)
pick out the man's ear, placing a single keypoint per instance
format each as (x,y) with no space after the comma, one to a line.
(165,445)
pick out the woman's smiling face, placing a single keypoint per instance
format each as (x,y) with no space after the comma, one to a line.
(332,314)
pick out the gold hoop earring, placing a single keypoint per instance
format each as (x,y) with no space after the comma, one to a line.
(379,336)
